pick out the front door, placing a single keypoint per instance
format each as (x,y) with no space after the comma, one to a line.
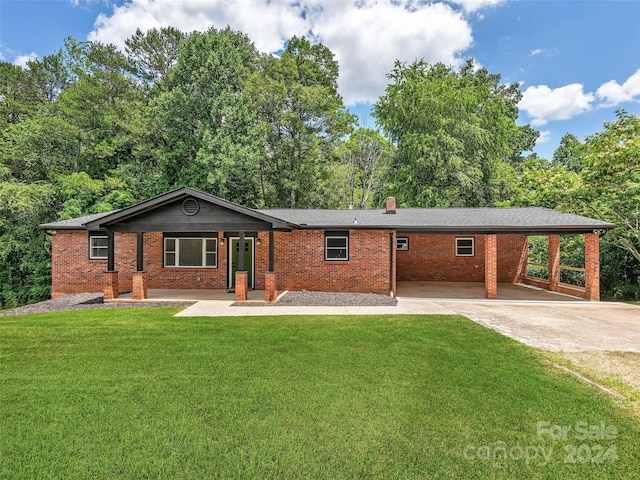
(234,254)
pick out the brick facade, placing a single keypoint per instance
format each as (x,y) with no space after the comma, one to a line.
(299,262)
(432,258)
(73,272)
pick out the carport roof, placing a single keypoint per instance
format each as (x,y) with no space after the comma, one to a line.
(445,220)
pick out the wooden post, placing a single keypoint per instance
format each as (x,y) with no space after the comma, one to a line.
(554,262)
(271,251)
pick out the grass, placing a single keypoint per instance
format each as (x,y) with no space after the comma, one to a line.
(141,394)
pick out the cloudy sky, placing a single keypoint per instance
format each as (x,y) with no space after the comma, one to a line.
(577,61)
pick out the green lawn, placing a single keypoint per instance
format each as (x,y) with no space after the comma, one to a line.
(140,394)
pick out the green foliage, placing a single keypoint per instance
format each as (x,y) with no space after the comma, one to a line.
(302,117)
(367,158)
(453,131)
(598,178)
(25,267)
(90,129)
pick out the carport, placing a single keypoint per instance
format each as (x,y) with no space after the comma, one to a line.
(484,253)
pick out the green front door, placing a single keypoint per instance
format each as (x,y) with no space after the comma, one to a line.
(234,254)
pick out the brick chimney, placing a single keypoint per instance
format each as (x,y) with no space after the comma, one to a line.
(391,205)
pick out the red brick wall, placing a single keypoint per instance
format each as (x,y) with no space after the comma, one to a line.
(300,263)
(433,258)
(73,272)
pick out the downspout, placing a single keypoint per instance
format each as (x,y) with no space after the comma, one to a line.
(391,245)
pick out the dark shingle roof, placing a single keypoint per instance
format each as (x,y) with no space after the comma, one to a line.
(74,223)
(430,220)
(528,219)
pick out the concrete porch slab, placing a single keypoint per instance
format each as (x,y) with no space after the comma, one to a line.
(475,291)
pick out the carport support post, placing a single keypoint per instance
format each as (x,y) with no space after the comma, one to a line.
(490,266)
(592,266)
(554,262)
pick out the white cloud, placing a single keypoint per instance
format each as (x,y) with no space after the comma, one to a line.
(612,93)
(368,40)
(543,104)
(536,51)
(366,36)
(474,5)
(544,136)
(21,60)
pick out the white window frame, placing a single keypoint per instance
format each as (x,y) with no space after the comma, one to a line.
(100,247)
(327,247)
(176,252)
(458,247)
(402,243)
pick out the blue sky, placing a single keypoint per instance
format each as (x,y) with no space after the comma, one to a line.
(577,61)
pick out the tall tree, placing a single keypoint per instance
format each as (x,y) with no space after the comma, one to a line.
(367,160)
(611,179)
(567,153)
(453,130)
(204,124)
(155,53)
(303,117)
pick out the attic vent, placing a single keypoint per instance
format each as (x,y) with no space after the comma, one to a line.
(190,206)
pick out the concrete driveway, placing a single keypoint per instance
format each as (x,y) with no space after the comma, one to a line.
(558,326)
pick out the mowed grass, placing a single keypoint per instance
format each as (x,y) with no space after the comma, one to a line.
(142,394)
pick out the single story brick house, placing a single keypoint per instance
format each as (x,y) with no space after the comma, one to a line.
(188,239)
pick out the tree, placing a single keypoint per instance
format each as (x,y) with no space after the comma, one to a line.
(453,131)
(611,177)
(25,269)
(567,153)
(598,178)
(204,125)
(17,96)
(303,117)
(155,53)
(366,157)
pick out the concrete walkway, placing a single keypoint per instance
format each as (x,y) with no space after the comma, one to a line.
(216,308)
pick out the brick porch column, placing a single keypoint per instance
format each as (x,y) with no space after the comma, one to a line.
(139,285)
(490,266)
(592,267)
(242,285)
(554,262)
(110,290)
(270,287)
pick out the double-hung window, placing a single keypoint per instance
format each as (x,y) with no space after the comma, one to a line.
(336,246)
(190,252)
(465,247)
(98,247)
